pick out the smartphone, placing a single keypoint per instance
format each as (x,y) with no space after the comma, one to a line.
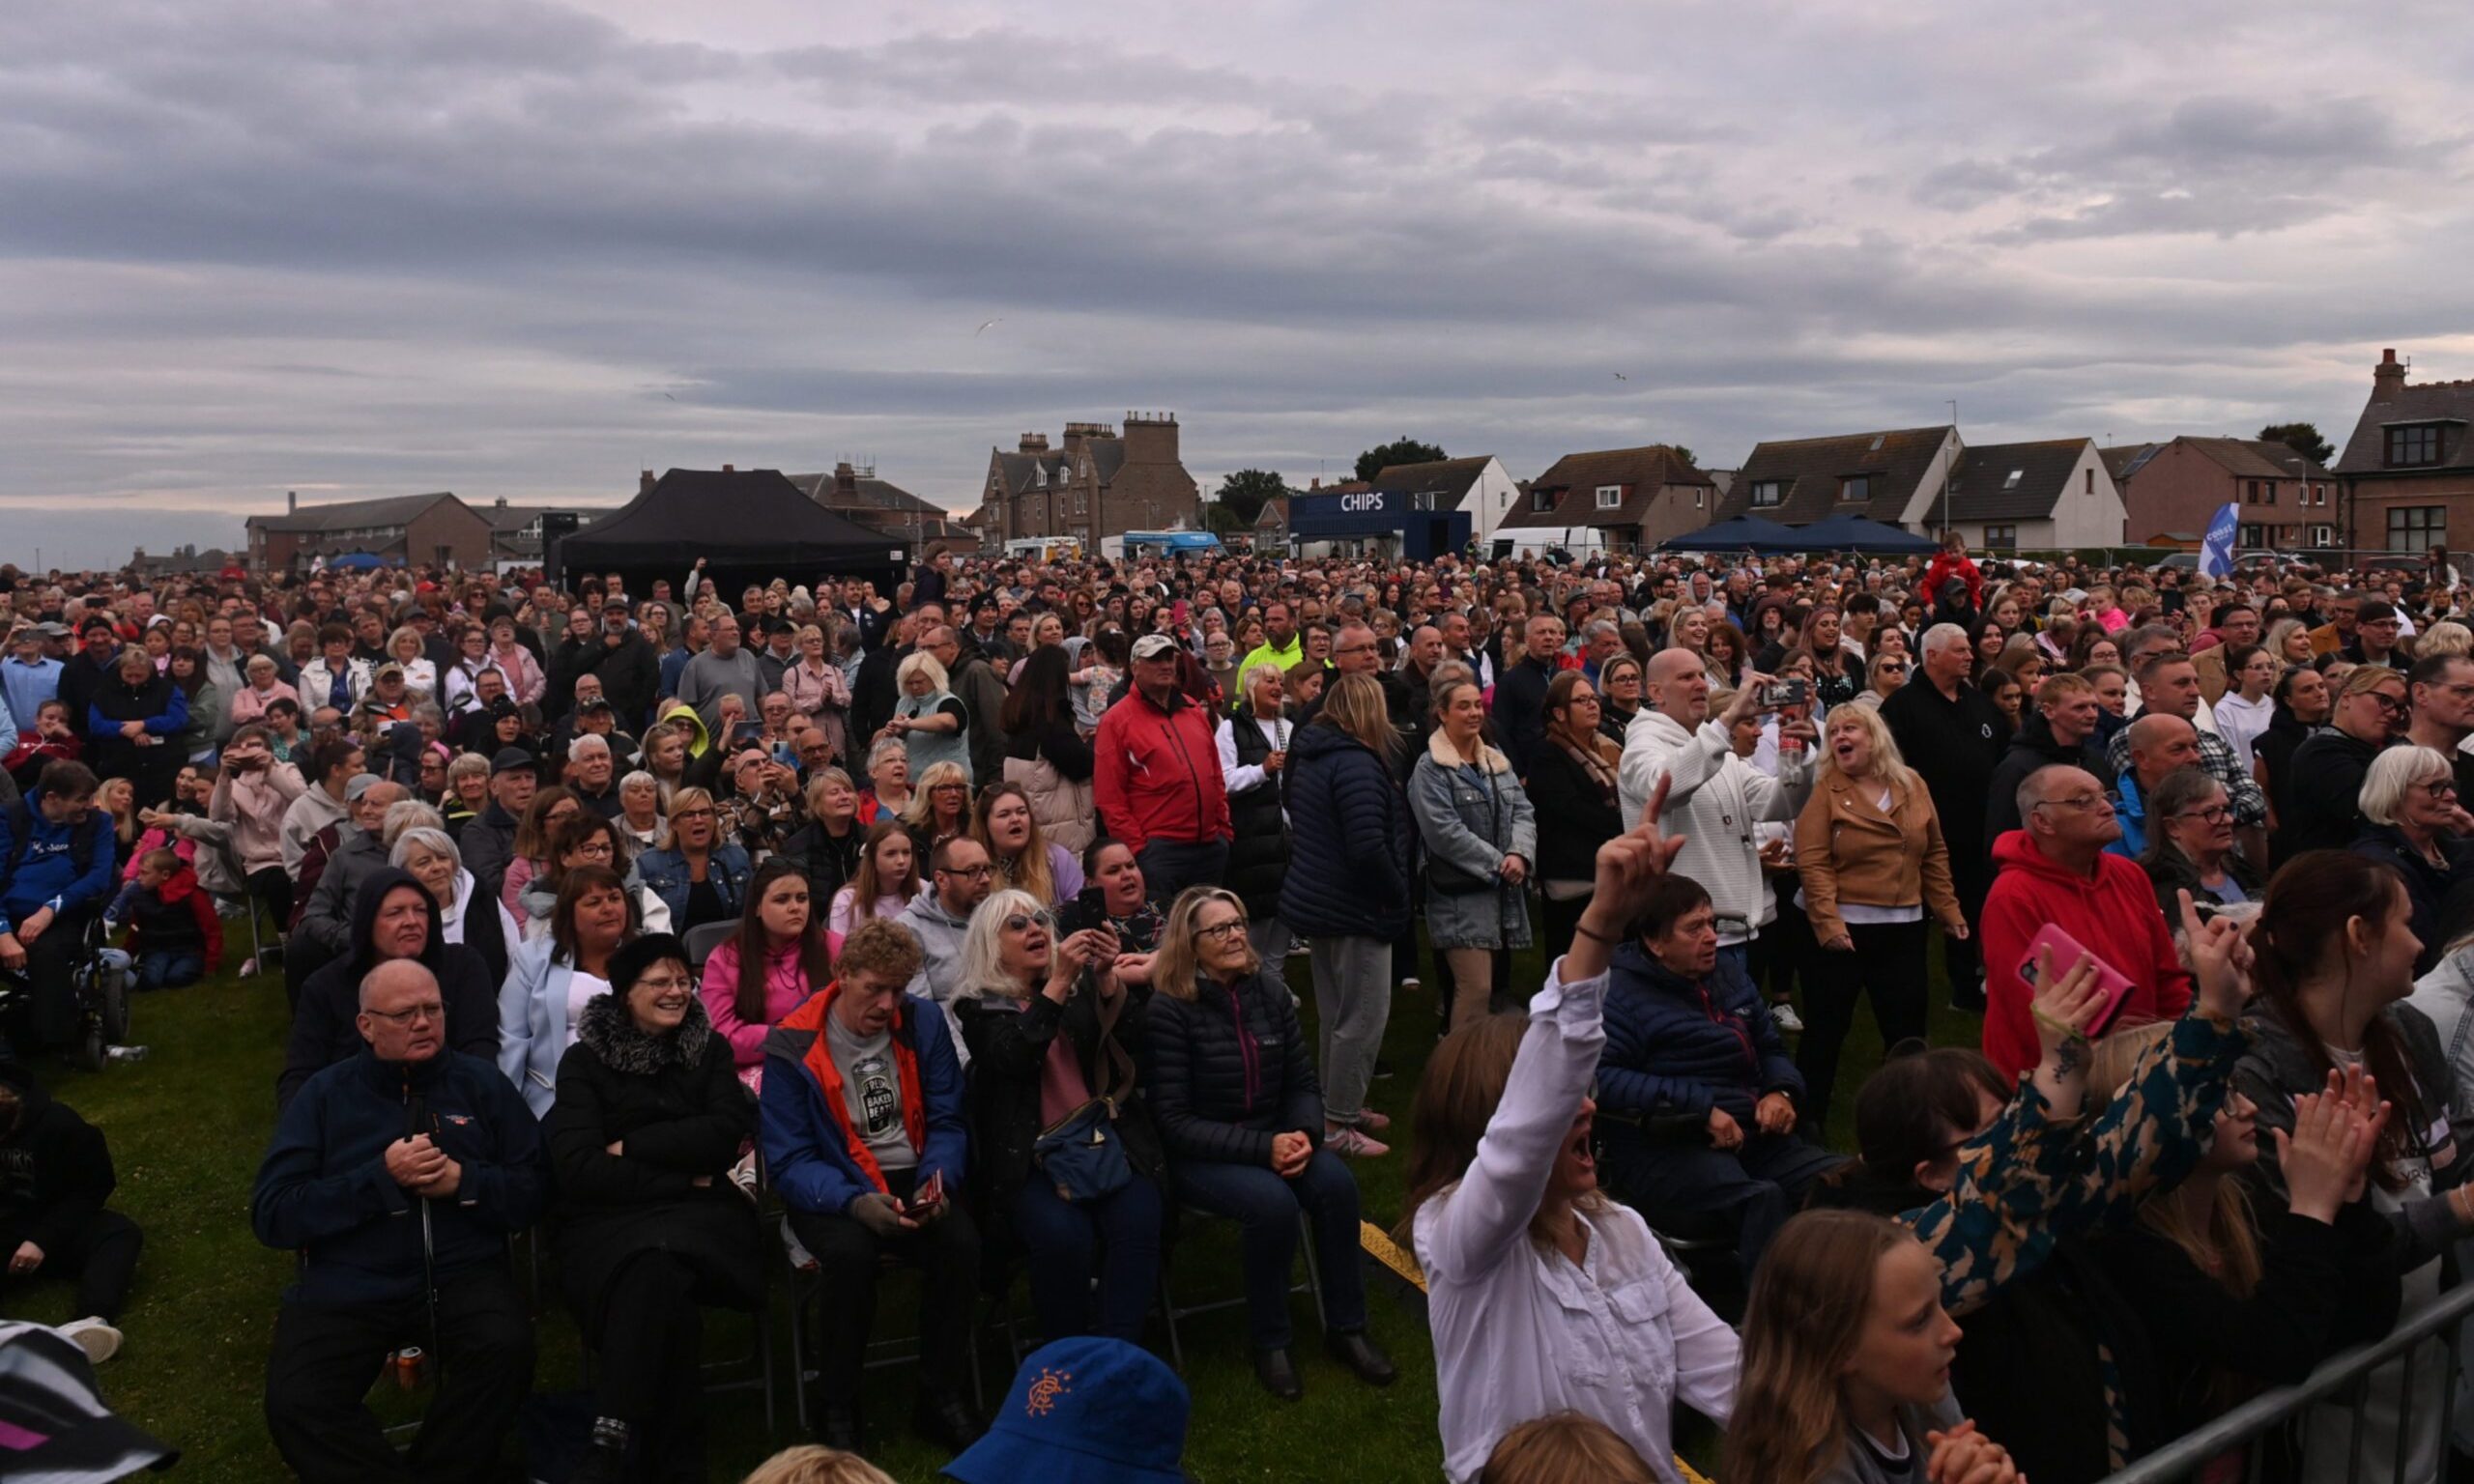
(929,1196)
(1783,693)
(747,732)
(2067,950)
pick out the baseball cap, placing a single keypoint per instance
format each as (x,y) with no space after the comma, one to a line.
(513,760)
(1084,1410)
(361,782)
(1154,647)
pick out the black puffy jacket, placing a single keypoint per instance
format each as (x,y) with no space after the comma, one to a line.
(1349,832)
(324,1029)
(1230,1068)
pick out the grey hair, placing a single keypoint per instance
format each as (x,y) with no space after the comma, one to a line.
(1942,635)
(883,746)
(2395,771)
(2032,789)
(423,836)
(983,960)
(407,814)
(578,744)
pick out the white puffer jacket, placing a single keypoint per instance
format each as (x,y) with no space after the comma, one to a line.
(1717,803)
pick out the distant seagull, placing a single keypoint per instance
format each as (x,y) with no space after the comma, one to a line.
(986,325)
(667,397)
(1620,377)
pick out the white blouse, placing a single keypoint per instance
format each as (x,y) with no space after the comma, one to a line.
(1519,1331)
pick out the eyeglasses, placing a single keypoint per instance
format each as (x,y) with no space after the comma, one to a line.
(1221,930)
(2082,801)
(1022,922)
(951,789)
(979,873)
(666,983)
(2390,705)
(431,1010)
(596,850)
(2442,788)
(693,814)
(1894,669)
(2213,814)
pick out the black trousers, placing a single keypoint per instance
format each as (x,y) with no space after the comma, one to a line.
(100,1257)
(946,1253)
(1696,1191)
(51,961)
(326,1357)
(1556,922)
(651,1331)
(1887,965)
(272,888)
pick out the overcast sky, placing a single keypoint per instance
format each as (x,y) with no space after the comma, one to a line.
(520,250)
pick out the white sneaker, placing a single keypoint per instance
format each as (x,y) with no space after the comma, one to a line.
(99,1340)
(801,1257)
(1785,1016)
(1409,984)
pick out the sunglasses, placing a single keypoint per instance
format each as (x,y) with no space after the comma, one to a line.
(1022,922)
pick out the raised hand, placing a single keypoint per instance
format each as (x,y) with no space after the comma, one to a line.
(1627,867)
(2220,960)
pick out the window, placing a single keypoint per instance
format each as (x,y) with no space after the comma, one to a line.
(2318,494)
(1764,492)
(2002,539)
(2418,445)
(2253,537)
(1856,487)
(1878,440)
(2416,527)
(1541,500)
(2088,481)
(2251,492)
(2323,535)
(2012,482)
(1697,496)
(1081,502)
(1039,475)
(1610,497)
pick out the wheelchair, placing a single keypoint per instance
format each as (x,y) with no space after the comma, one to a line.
(101,976)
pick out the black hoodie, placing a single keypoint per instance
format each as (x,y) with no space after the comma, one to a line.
(2031,747)
(55,1170)
(325,1027)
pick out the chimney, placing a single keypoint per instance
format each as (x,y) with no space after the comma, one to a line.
(730,468)
(2388,378)
(645,481)
(1034,443)
(502,503)
(846,482)
(292,499)
(1314,483)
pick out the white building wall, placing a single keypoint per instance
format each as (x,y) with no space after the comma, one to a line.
(1489,499)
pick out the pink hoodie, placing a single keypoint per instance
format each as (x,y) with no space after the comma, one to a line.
(785,989)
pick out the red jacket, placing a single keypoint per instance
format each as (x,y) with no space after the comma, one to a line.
(1155,774)
(2113,917)
(1946,566)
(181,893)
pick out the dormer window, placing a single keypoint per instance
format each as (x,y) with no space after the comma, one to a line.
(1541,500)
(1610,497)
(1856,487)
(2012,482)
(1039,475)
(1767,493)
(2414,445)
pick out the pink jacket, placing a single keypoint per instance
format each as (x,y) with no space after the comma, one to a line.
(253,804)
(248,704)
(523,678)
(785,989)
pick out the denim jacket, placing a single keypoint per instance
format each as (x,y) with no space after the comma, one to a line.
(664,873)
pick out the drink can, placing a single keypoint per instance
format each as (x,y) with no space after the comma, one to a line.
(408,1366)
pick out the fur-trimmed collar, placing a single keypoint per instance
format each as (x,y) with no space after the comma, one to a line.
(1439,748)
(612,1034)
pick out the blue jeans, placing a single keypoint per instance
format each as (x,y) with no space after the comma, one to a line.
(1067,1240)
(170,969)
(1265,1208)
(1170,866)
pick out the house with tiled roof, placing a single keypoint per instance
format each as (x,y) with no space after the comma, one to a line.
(1094,484)
(1271,524)
(2037,497)
(1891,476)
(2169,489)
(1621,499)
(416,528)
(2408,469)
(854,492)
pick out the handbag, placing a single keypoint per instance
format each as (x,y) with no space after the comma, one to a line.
(1447,878)
(1082,1154)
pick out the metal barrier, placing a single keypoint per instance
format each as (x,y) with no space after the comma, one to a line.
(2183,1458)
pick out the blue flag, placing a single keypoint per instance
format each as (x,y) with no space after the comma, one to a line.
(2216,553)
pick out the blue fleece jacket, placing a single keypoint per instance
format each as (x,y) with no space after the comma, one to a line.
(323,1188)
(48,875)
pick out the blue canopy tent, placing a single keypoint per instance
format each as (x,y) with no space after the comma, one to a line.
(1857,533)
(354,561)
(1745,533)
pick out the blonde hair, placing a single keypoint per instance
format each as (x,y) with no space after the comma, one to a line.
(983,957)
(2446,636)
(1561,1448)
(1889,764)
(1179,956)
(923,790)
(814,1464)
(1354,704)
(1810,1306)
(2228,1247)
(920,663)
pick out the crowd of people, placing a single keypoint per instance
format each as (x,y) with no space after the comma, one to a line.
(696,936)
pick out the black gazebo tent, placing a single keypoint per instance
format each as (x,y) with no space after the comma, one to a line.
(749,525)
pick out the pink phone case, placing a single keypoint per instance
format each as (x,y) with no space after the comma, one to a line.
(2067,952)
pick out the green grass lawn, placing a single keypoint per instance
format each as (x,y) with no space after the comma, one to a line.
(187,1126)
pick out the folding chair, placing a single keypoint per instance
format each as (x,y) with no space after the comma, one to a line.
(1170,1312)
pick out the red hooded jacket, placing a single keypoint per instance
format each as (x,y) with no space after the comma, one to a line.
(1155,774)
(1946,566)
(2113,917)
(181,894)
